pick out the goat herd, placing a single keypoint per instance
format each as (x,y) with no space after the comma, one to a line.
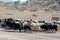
(27,24)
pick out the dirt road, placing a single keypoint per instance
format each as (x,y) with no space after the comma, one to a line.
(12,35)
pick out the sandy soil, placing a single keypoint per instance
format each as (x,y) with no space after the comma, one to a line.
(40,14)
(15,35)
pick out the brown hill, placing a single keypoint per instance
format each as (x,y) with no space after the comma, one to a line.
(22,10)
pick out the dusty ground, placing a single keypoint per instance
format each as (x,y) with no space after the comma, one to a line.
(11,35)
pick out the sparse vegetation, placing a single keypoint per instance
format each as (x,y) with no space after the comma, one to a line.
(34,5)
(17,2)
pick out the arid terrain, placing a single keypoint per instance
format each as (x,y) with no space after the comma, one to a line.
(15,35)
(42,9)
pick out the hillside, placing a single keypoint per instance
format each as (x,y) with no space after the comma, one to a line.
(35,9)
(45,4)
(33,5)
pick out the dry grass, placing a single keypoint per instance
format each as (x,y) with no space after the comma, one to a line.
(41,15)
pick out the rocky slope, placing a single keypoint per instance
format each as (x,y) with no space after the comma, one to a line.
(33,5)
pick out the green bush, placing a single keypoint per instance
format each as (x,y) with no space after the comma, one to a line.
(16,2)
